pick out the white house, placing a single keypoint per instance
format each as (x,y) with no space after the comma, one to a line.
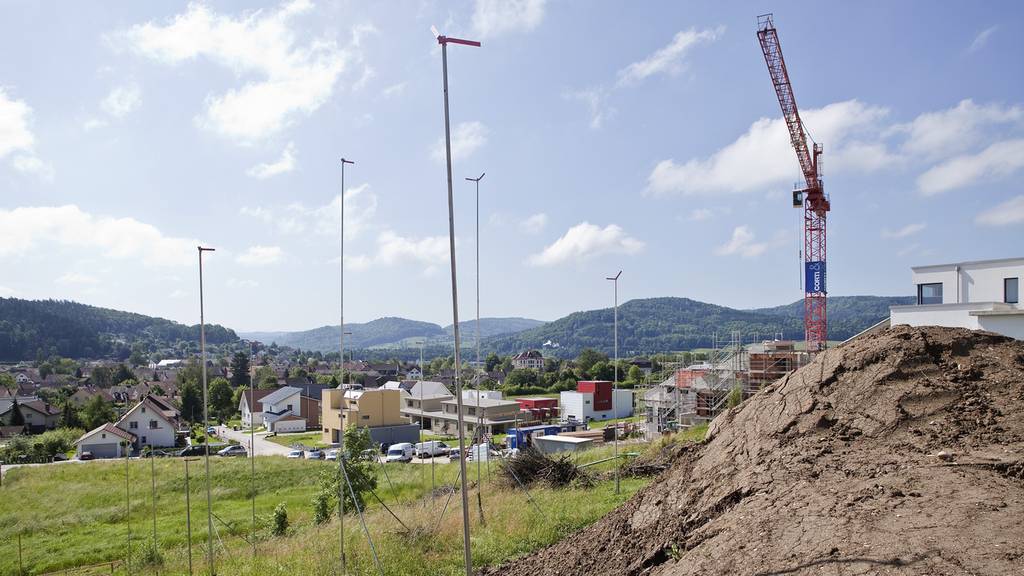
(149,424)
(980,295)
(285,401)
(250,405)
(106,441)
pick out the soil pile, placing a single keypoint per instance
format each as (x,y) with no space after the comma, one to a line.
(900,453)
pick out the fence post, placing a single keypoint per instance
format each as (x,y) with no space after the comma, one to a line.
(21,565)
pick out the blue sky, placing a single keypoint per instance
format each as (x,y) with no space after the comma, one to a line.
(615,135)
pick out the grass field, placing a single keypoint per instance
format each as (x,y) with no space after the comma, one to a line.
(309,439)
(74,514)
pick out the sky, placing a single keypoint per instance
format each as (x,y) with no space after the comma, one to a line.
(642,137)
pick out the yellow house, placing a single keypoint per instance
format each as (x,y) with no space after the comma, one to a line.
(371,408)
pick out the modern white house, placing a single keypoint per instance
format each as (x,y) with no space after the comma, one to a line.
(979,295)
(282,410)
(595,400)
(151,422)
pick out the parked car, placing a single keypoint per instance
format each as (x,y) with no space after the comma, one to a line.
(233,450)
(296,454)
(454,454)
(370,455)
(211,431)
(431,448)
(331,454)
(315,454)
(197,449)
(86,455)
(401,452)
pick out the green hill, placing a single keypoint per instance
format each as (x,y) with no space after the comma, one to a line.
(30,328)
(667,324)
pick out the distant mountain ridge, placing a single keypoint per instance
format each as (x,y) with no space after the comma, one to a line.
(391,333)
(671,324)
(29,328)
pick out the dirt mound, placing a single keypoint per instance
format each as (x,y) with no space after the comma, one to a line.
(897,454)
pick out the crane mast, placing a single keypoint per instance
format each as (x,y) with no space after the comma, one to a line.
(811,197)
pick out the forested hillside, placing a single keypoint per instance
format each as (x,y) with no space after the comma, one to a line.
(41,328)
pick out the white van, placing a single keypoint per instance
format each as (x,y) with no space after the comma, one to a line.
(431,448)
(401,452)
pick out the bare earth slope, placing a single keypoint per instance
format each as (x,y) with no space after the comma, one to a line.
(897,454)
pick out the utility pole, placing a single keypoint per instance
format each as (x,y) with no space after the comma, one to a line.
(444,41)
(206,417)
(341,405)
(252,439)
(615,390)
(188,517)
(479,410)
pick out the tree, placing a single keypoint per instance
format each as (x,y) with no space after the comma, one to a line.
(122,373)
(191,402)
(491,362)
(636,375)
(586,360)
(220,399)
(552,364)
(521,378)
(45,369)
(298,372)
(16,418)
(7,382)
(240,369)
(96,412)
(69,416)
(602,370)
(360,472)
(266,377)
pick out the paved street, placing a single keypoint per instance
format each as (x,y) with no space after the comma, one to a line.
(263,447)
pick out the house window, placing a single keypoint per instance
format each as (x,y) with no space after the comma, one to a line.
(153,425)
(289,406)
(133,425)
(143,440)
(1011,290)
(365,416)
(143,409)
(929,293)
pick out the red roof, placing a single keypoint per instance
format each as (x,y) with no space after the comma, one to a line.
(110,429)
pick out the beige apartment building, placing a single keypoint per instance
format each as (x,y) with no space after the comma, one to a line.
(370,408)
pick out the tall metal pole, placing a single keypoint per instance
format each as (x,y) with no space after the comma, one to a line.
(479,411)
(188,518)
(152,479)
(468,558)
(341,405)
(206,417)
(252,439)
(615,391)
(128,505)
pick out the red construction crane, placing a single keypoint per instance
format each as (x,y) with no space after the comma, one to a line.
(811,197)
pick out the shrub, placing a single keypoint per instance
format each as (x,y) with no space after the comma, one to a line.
(321,507)
(280,521)
(735,396)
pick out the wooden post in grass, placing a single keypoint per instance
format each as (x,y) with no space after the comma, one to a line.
(128,505)
(188,518)
(152,479)
(21,565)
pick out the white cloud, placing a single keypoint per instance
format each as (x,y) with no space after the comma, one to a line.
(534,224)
(393,90)
(284,79)
(28,228)
(742,243)
(908,230)
(260,256)
(1005,214)
(177,294)
(393,249)
(584,241)
(122,100)
(493,18)
(997,161)
(596,100)
(668,59)
(241,283)
(937,134)
(283,165)
(467,138)
(763,157)
(6,292)
(92,123)
(17,139)
(295,218)
(698,214)
(981,39)
(78,278)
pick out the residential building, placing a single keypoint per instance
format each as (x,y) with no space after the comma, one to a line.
(595,400)
(39,416)
(493,416)
(531,359)
(285,401)
(250,405)
(152,423)
(105,441)
(378,409)
(979,295)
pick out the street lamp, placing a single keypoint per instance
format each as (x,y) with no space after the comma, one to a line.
(341,343)
(444,41)
(206,416)
(615,413)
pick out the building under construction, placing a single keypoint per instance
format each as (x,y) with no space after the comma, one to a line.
(699,392)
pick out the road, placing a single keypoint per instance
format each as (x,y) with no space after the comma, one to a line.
(263,446)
